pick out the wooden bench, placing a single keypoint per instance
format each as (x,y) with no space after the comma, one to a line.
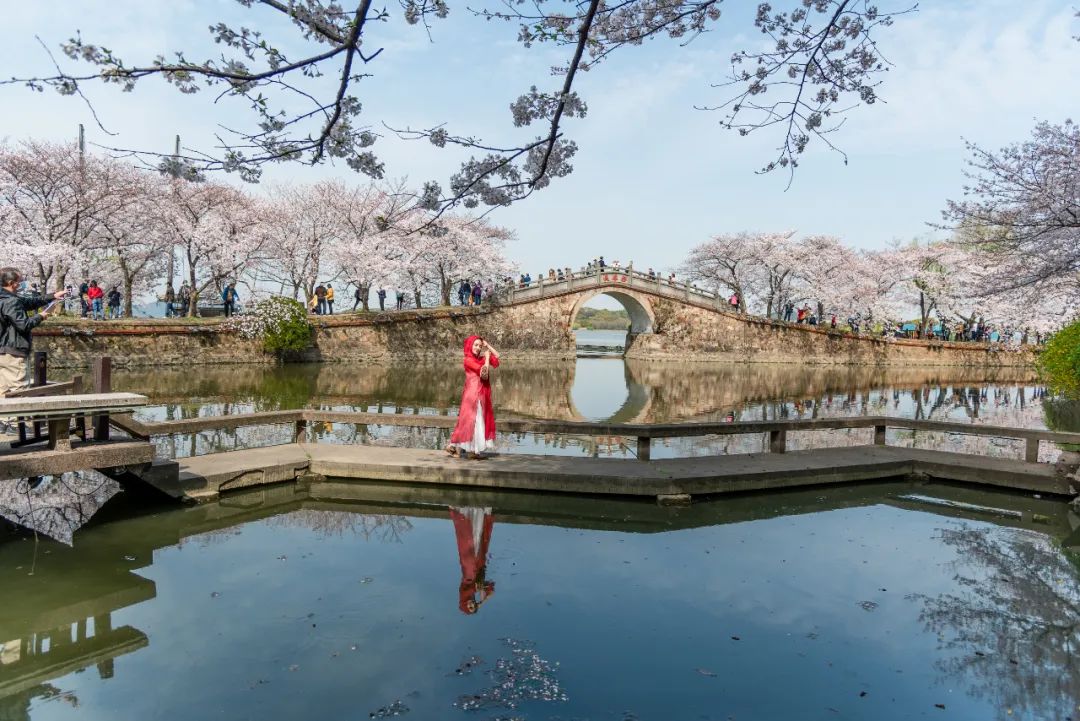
(58,411)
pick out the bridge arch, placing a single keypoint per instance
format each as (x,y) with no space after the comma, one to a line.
(642,318)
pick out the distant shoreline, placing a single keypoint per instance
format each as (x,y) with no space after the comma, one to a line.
(601,319)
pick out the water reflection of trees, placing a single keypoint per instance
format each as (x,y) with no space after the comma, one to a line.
(1013,626)
(55,506)
(668,392)
(382,528)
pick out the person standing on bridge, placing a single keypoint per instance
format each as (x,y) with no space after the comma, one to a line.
(15,336)
(475,430)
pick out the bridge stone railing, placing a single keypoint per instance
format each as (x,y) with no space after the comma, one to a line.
(613,278)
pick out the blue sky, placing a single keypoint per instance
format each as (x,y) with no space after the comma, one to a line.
(653,176)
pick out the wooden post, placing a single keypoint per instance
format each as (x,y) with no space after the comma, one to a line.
(1031,450)
(102,384)
(39,365)
(879,435)
(60,434)
(778,441)
(80,420)
(644,448)
(40,370)
(300,434)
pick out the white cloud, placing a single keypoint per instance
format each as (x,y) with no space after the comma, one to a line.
(983,71)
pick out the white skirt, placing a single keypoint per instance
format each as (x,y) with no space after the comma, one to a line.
(479,442)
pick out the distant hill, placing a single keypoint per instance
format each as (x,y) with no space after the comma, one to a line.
(602,319)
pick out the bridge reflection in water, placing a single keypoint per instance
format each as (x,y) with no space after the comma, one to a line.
(60,602)
(594,389)
(651,391)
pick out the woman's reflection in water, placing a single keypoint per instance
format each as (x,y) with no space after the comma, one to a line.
(472,527)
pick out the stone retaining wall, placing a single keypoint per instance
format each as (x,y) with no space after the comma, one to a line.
(534,330)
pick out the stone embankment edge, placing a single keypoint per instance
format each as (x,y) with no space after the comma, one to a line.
(433,335)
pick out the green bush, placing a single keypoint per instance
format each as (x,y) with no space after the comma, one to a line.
(282,323)
(1060,361)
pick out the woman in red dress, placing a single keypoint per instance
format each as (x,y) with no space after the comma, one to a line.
(472,528)
(475,429)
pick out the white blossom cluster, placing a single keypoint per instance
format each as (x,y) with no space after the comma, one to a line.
(266,317)
(939,282)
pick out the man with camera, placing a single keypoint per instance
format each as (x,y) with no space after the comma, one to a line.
(16,328)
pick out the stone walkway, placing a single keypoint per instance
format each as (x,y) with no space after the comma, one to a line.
(204,477)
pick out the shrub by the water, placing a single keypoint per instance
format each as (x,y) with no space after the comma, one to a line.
(281,323)
(1060,360)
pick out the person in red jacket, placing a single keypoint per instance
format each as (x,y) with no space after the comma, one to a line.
(96,295)
(475,429)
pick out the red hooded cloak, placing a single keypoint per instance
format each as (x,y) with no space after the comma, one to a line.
(476,388)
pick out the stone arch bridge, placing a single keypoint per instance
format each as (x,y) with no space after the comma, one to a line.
(674,320)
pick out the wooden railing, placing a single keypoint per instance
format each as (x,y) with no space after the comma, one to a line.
(642,432)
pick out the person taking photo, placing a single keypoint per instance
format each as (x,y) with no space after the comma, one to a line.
(16,328)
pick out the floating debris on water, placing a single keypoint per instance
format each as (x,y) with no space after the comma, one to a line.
(466,667)
(868,605)
(706,672)
(524,676)
(395,709)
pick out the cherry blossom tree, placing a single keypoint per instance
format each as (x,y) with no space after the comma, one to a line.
(50,200)
(1021,207)
(726,262)
(301,227)
(458,247)
(372,236)
(827,272)
(219,233)
(129,245)
(819,60)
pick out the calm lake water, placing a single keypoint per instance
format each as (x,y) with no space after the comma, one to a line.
(350,600)
(360,601)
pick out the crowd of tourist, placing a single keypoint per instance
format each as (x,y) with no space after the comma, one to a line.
(89,301)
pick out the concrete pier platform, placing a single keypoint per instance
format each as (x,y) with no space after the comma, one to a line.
(205,477)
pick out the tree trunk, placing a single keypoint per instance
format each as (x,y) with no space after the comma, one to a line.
(444,288)
(365,291)
(416,297)
(194,299)
(922,314)
(129,283)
